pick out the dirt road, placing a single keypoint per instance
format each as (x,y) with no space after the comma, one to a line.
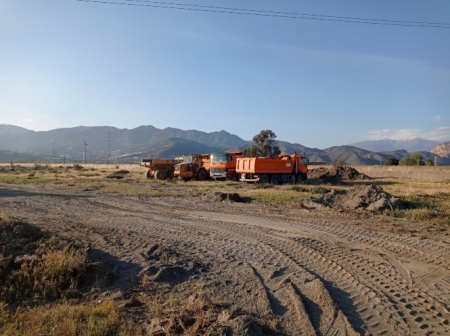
(317,276)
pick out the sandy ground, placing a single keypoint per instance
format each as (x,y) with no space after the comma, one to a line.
(315,273)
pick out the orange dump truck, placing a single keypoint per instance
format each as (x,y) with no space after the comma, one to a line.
(194,166)
(282,168)
(223,165)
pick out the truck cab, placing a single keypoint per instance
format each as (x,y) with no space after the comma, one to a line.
(223,165)
(194,166)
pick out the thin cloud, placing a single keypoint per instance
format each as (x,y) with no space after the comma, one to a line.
(439,134)
(27,120)
(437,118)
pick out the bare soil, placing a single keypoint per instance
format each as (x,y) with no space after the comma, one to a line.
(268,270)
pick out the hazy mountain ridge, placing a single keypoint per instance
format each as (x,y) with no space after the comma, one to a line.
(385,145)
(132,145)
(69,141)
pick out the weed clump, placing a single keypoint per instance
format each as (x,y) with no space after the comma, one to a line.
(91,318)
(35,268)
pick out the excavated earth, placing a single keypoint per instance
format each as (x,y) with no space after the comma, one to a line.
(367,198)
(313,271)
(336,174)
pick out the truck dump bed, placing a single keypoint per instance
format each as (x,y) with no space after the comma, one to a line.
(262,165)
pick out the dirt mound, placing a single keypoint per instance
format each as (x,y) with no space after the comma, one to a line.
(370,198)
(120,174)
(337,174)
(236,322)
(218,196)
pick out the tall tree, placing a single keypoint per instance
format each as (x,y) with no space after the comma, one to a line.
(262,145)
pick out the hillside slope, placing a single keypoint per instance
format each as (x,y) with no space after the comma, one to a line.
(443,150)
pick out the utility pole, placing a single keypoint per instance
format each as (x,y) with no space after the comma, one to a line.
(435,160)
(108,153)
(15,156)
(84,151)
(64,160)
(54,155)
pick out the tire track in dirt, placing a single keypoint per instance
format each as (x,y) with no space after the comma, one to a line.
(292,269)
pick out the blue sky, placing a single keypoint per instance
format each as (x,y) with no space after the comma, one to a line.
(65,63)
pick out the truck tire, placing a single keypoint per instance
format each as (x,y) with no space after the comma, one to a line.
(170,174)
(275,179)
(147,174)
(300,179)
(160,174)
(201,175)
(264,179)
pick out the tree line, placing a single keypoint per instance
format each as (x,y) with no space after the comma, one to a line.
(416,159)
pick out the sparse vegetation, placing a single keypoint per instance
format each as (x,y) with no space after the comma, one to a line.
(90,318)
(38,273)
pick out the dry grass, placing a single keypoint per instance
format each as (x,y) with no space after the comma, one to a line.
(91,318)
(423,200)
(36,267)
(49,269)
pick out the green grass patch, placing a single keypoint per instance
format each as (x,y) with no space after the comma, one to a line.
(424,208)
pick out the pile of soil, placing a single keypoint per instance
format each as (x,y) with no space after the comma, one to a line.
(118,175)
(336,174)
(218,196)
(369,198)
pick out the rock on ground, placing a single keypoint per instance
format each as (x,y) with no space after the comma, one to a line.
(218,196)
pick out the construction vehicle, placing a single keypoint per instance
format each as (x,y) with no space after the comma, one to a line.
(159,169)
(223,165)
(193,167)
(281,169)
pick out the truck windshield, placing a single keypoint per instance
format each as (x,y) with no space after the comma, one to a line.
(187,159)
(218,158)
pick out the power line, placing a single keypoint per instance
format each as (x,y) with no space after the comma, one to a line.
(287,15)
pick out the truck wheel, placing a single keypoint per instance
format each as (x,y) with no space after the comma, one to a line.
(147,173)
(264,179)
(160,174)
(169,174)
(275,179)
(300,179)
(201,175)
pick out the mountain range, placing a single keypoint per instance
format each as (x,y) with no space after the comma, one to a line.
(132,145)
(385,145)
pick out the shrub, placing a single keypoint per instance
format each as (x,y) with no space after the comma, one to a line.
(391,162)
(320,190)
